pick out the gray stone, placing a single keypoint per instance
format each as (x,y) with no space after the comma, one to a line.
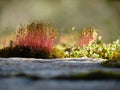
(46,69)
(25,84)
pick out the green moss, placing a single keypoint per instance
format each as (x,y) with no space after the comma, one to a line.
(114,61)
(57,53)
(111,63)
(116,55)
(97,75)
(97,50)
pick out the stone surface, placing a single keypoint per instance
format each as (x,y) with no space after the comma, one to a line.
(46,69)
(25,84)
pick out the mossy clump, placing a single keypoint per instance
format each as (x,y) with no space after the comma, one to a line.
(34,40)
(114,61)
(92,51)
(37,35)
(27,52)
(96,50)
(88,36)
(23,51)
(38,40)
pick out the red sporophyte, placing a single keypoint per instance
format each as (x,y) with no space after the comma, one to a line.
(88,36)
(37,36)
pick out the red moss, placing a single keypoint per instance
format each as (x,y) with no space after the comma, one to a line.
(88,36)
(36,35)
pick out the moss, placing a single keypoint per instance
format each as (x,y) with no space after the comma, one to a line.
(95,50)
(14,52)
(112,63)
(27,52)
(96,75)
(116,55)
(36,35)
(22,51)
(88,36)
(57,53)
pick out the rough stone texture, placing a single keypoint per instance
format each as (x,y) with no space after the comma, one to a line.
(46,69)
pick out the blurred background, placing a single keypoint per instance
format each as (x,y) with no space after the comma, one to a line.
(63,14)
